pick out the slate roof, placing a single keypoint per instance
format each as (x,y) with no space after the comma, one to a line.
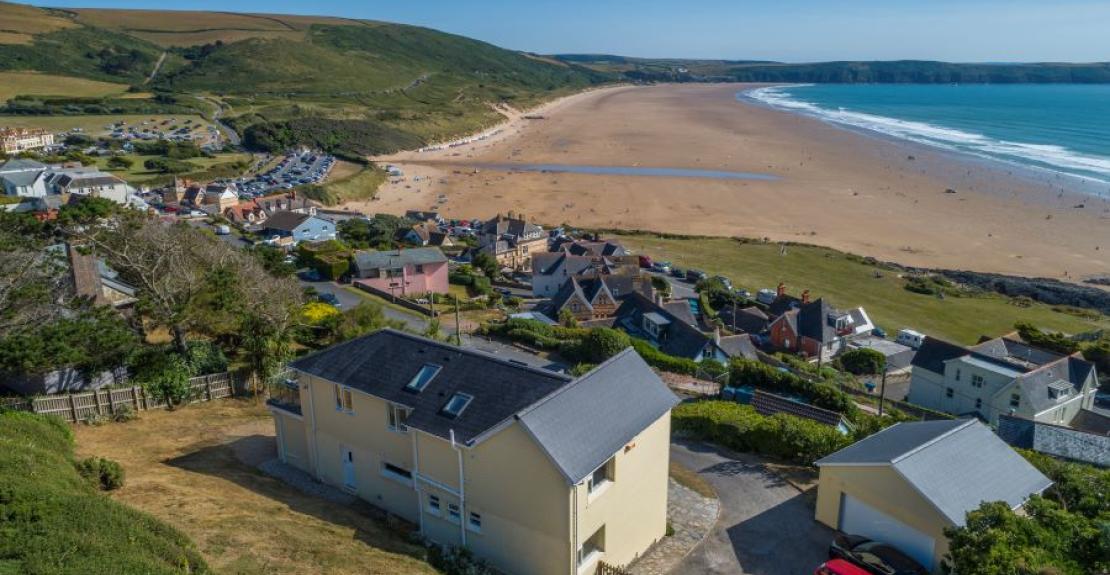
(813,321)
(678,338)
(21,164)
(1068,373)
(749,319)
(934,352)
(585,289)
(369,259)
(548,263)
(22,178)
(383,363)
(606,248)
(511,227)
(738,346)
(955,465)
(583,424)
(1016,352)
(286,221)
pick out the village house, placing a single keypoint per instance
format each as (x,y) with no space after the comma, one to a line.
(426,234)
(671,328)
(906,484)
(15,140)
(1002,376)
(817,330)
(582,260)
(31,179)
(534,471)
(415,271)
(24,178)
(512,241)
(255,211)
(584,299)
(593,247)
(297,227)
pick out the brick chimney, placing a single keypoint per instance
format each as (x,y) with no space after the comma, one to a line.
(805,297)
(781,289)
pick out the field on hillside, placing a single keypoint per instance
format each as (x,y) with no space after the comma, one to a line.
(18,23)
(34,84)
(137,174)
(191,28)
(196,469)
(847,282)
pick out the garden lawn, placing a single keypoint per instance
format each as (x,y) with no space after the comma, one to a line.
(195,469)
(848,281)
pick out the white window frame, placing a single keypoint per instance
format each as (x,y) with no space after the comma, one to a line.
(393,475)
(434,505)
(396,416)
(595,488)
(454,512)
(470,517)
(584,562)
(344,399)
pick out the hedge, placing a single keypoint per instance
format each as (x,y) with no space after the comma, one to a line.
(740,428)
(761,375)
(662,361)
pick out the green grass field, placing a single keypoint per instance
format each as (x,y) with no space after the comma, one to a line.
(92,125)
(34,84)
(848,282)
(137,174)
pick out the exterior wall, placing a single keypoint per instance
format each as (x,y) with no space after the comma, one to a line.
(882,488)
(519,257)
(314,229)
(548,285)
(633,508)
(783,337)
(431,279)
(926,389)
(292,440)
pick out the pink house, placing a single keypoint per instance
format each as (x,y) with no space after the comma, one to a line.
(401,272)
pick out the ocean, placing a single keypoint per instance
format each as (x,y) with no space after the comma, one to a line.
(1063,128)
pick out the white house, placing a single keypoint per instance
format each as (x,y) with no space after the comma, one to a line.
(23,178)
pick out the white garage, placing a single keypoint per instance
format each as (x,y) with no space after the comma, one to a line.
(908,483)
(859,518)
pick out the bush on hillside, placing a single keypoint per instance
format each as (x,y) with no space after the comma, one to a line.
(741,428)
(602,343)
(54,521)
(863,361)
(105,474)
(662,361)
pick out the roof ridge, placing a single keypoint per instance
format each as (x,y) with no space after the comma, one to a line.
(966,423)
(574,382)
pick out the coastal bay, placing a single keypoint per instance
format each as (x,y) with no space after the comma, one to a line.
(873,196)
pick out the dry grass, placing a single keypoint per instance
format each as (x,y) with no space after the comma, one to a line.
(19,22)
(196,469)
(92,125)
(342,170)
(189,28)
(36,84)
(691,480)
(802,477)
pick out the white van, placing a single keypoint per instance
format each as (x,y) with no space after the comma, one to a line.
(910,338)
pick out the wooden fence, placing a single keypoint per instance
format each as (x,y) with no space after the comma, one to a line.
(76,407)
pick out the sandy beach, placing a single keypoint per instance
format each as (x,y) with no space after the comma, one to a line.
(867,195)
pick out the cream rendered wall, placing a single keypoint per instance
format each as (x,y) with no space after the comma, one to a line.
(365,432)
(294,443)
(882,488)
(633,508)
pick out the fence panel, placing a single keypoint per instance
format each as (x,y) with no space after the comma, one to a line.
(76,407)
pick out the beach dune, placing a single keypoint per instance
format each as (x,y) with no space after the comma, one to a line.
(869,195)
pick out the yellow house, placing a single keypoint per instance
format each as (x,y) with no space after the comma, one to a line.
(906,484)
(535,471)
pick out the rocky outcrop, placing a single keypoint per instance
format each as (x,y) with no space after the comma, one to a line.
(1044,290)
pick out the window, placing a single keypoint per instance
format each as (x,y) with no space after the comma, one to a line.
(949,392)
(1015,400)
(592,548)
(394,472)
(433,504)
(397,417)
(475,522)
(957,374)
(343,400)
(976,380)
(418,268)
(453,511)
(422,378)
(601,476)
(978,403)
(457,404)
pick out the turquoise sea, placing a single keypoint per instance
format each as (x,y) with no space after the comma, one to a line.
(1059,127)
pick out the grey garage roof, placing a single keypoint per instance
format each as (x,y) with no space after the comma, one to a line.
(583,424)
(372,260)
(955,465)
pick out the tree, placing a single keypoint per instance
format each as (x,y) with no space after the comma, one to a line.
(567,319)
(120,162)
(165,375)
(34,287)
(602,343)
(487,263)
(1052,341)
(863,361)
(168,166)
(377,232)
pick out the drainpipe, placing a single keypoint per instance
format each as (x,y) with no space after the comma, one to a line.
(574,531)
(416,481)
(462,491)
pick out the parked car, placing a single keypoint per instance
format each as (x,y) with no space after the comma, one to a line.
(663,267)
(839,567)
(874,556)
(330,298)
(645,261)
(311,276)
(223,230)
(695,275)
(879,332)
(724,281)
(678,272)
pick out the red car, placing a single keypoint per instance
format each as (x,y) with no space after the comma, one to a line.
(839,567)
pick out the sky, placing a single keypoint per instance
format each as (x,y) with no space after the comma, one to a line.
(782,30)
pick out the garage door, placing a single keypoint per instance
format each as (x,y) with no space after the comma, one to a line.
(859,518)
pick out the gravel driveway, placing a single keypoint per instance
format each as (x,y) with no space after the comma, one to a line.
(766,526)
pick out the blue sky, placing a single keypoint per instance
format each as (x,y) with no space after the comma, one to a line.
(787,30)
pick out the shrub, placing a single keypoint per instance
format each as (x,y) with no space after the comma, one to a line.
(602,343)
(741,428)
(166,378)
(457,561)
(124,413)
(863,361)
(761,375)
(662,361)
(103,473)
(205,357)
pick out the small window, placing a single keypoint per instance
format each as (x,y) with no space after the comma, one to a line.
(434,506)
(422,378)
(457,404)
(475,522)
(601,476)
(978,403)
(397,472)
(418,268)
(397,417)
(343,400)
(592,548)
(453,511)
(976,380)
(1015,400)
(957,374)
(949,392)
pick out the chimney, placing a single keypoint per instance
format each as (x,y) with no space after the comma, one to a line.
(805,297)
(781,289)
(717,335)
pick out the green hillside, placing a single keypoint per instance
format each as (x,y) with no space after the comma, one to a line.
(380,86)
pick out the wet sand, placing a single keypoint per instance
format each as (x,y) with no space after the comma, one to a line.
(864,194)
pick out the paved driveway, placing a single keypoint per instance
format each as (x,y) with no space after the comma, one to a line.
(766,526)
